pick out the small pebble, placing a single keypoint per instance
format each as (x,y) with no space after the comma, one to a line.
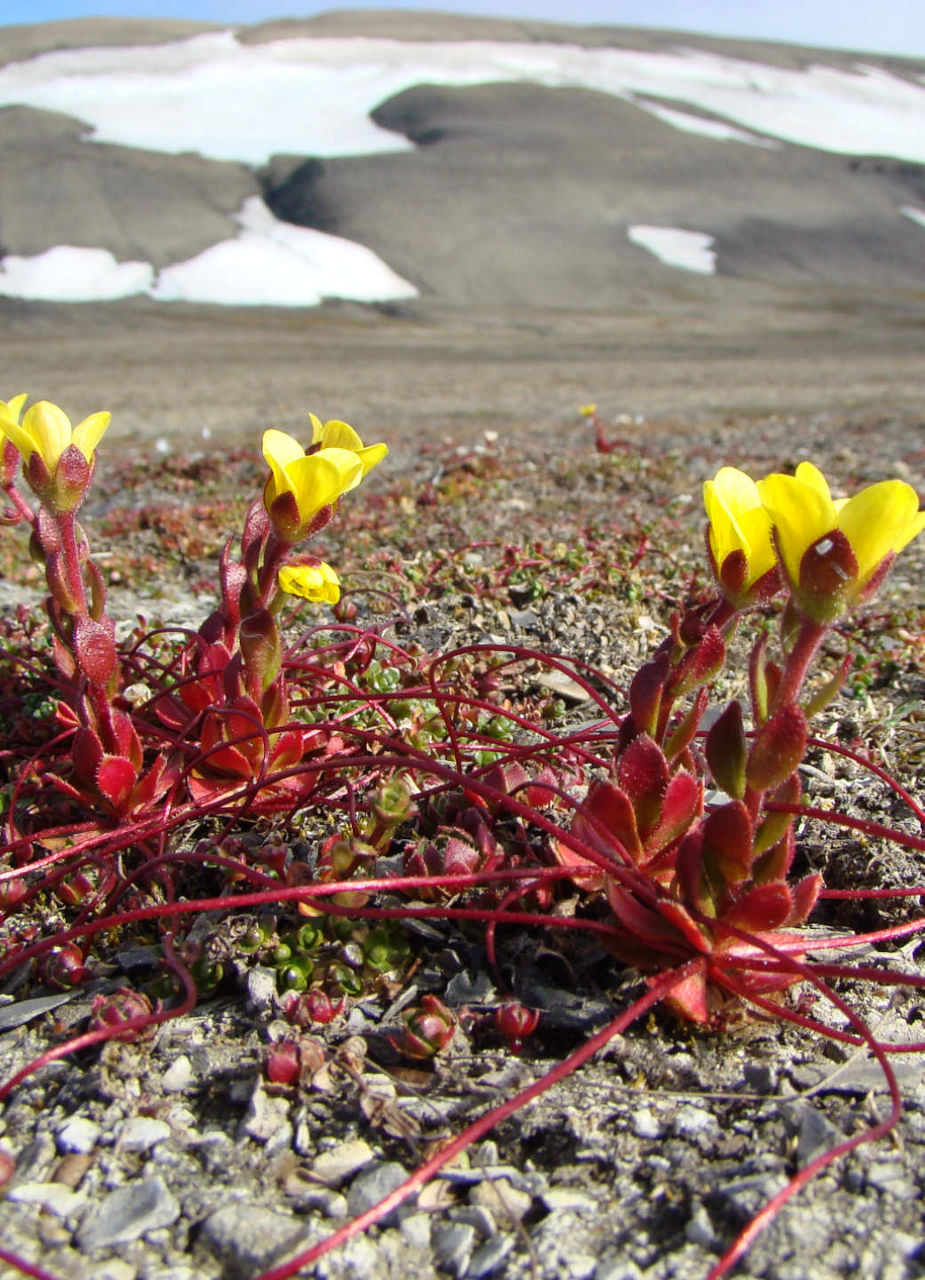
(342,1162)
(645,1124)
(498,1195)
(373,1184)
(142,1132)
(54,1197)
(489,1256)
(79,1135)
(127,1213)
(178,1076)
(453,1243)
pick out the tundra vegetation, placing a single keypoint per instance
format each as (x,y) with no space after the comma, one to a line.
(309,788)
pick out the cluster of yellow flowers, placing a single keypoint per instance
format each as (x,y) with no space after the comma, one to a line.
(303,484)
(832,553)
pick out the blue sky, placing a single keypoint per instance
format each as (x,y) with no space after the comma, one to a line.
(892,26)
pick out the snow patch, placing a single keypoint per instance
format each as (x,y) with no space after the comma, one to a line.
(690,250)
(313,96)
(269,263)
(70,274)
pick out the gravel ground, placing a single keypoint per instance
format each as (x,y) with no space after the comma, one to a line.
(173,1160)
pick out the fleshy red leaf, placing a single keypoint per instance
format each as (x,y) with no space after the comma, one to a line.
(767,906)
(681,804)
(727,841)
(778,748)
(805,893)
(642,772)
(609,821)
(645,692)
(115,778)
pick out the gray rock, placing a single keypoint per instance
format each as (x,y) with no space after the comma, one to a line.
(265,1115)
(453,1243)
(261,989)
(489,1256)
(372,1184)
(143,1132)
(342,1162)
(78,1134)
(694,1123)
(249,1238)
(817,1134)
(128,1213)
(617,1269)
(699,1229)
(645,1124)
(508,1203)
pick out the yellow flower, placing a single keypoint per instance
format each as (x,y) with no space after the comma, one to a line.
(339,435)
(316,582)
(739,533)
(57,458)
(301,485)
(47,431)
(588,410)
(837,552)
(10,409)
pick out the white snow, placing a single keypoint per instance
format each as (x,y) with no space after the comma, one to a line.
(691,250)
(717,129)
(917,215)
(313,96)
(70,274)
(273,263)
(302,96)
(269,263)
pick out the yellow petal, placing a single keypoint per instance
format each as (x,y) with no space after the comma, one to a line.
(880,519)
(312,582)
(335,435)
(318,479)
(12,408)
(281,448)
(800,512)
(49,429)
(755,526)
(809,475)
(87,434)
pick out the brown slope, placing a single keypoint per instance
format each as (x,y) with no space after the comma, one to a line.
(140,205)
(519,195)
(26,41)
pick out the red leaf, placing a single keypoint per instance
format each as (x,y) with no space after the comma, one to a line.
(608,822)
(115,779)
(642,772)
(645,692)
(727,841)
(805,892)
(778,748)
(767,906)
(681,804)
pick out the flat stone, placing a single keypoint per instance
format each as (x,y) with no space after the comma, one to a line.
(452,1244)
(265,1115)
(489,1256)
(570,1198)
(142,1132)
(78,1134)
(506,1202)
(54,1197)
(248,1238)
(128,1213)
(373,1184)
(342,1162)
